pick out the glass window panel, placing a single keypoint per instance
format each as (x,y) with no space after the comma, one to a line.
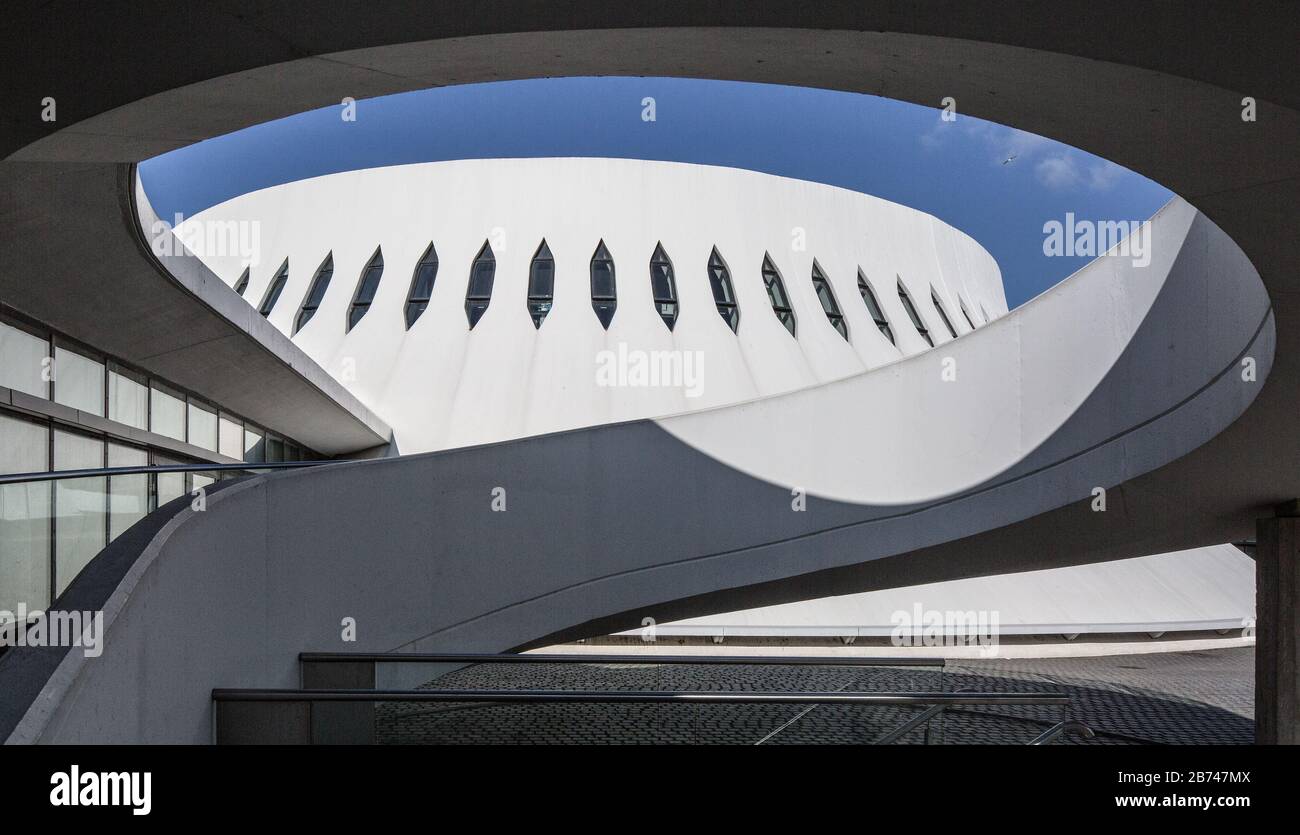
(275,289)
(230,438)
(23,359)
(167,414)
(602,280)
(203,427)
(198,480)
(424,278)
(79,506)
(480,284)
(274,450)
(369,284)
(128,495)
(24,516)
(413,311)
(661,282)
(254,446)
(78,381)
(171,486)
(541,280)
(128,400)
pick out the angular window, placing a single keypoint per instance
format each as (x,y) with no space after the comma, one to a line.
(663,286)
(242,284)
(776,293)
(723,294)
(873,307)
(273,292)
(479,292)
(367,286)
(316,293)
(421,285)
(913,315)
(541,284)
(965,313)
(943,314)
(827,297)
(604,296)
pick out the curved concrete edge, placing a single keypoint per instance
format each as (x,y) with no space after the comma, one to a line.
(73,234)
(910,433)
(189,271)
(35,680)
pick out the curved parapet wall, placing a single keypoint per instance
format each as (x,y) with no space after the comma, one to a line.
(606,525)
(442,384)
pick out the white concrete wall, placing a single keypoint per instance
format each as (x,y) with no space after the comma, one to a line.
(441,385)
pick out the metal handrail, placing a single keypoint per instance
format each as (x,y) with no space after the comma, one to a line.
(18,478)
(922,718)
(646,696)
(647,659)
(1069,726)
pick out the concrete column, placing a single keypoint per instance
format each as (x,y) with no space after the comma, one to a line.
(1277,651)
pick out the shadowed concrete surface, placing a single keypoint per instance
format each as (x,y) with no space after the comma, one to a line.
(1148,91)
(1202,697)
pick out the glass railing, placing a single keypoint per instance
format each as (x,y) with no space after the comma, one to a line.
(52,524)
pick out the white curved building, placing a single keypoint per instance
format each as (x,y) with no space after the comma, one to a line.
(477,301)
(442,383)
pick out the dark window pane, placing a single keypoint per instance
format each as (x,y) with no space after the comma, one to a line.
(480,282)
(602,280)
(721,284)
(479,292)
(541,279)
(274,291)
(369,284)
(425,274)
(943,314)
(413,311)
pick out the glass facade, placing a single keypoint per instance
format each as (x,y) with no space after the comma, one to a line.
(230,437)
(128,399)
(24,516)
(24,359)
(50,530)
(78,381)
(166,414)
(80,529)
(128,495)
(202,426)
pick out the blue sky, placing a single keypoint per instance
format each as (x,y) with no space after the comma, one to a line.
(901,152)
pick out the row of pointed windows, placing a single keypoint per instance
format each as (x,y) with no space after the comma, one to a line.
(604,292)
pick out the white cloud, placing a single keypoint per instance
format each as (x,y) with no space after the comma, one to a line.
(1058,172)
